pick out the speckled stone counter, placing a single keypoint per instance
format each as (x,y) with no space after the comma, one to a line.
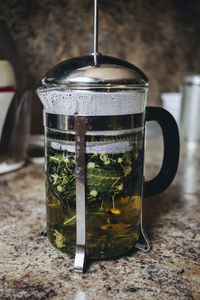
(30,268)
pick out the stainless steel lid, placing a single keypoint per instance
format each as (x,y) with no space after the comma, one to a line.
(192,79)
(107,72)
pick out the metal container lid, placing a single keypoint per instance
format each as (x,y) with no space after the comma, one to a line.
(107,72)
(193,79)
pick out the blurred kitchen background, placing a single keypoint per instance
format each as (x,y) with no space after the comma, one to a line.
(160,37)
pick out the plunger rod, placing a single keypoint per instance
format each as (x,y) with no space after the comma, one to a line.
(95,50)
(95,26)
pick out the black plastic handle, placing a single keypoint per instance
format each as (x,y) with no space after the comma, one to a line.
(171,151)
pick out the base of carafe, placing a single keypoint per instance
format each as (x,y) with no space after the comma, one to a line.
(145,247)
(79,261)
(94,254)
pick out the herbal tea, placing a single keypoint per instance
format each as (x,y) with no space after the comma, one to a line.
(113,192)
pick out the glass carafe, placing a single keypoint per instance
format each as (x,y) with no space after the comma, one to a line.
(114,170)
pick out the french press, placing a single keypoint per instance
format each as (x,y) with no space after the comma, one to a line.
(94,117)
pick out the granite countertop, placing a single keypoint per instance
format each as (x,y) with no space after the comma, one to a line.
(30,268)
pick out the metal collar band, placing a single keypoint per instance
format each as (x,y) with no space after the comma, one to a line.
(98,123)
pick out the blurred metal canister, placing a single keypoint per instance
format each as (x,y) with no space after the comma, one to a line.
(190,114)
